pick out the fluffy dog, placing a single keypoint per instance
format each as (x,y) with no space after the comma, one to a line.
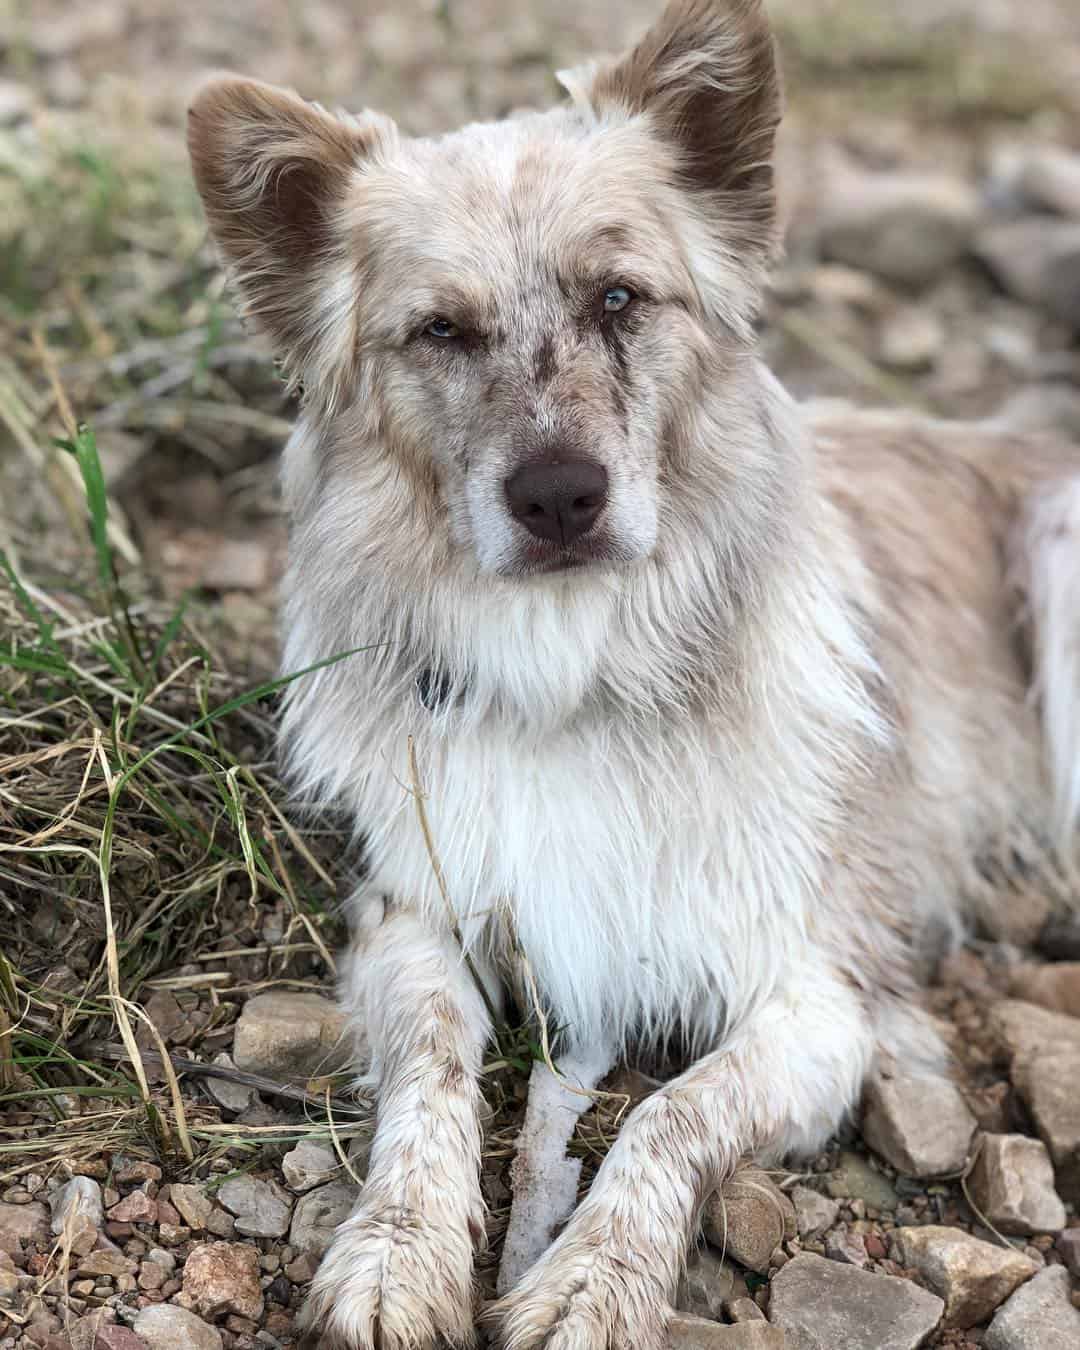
(719,705)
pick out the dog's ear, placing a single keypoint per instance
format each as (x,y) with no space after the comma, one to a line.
(273,172)
(706,76)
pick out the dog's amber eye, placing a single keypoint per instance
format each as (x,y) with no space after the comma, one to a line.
(617,298)
(442,328)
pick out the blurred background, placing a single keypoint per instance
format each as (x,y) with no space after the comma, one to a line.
(924,168)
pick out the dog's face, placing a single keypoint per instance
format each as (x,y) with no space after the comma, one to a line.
(521,314)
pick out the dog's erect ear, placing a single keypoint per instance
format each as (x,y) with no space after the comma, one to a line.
(706,75)
(273,173)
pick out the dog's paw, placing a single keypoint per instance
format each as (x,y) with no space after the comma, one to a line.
(583,1295)
(391,1281)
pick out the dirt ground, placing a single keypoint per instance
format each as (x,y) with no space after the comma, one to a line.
(113,313)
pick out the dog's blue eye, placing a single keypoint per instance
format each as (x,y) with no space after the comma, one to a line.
(442,328)
(616,298)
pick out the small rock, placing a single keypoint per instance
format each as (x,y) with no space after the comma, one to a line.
(1038,261)
(302,1269)
(744,1310)
(318,1213)
(823,1305)
(1012,1183)
(911,339)
(1050,178)
(1055,986)
(814,1212)
(83,1334)
(221,1224)
(920,1125)
(748,1218)
(698,1333)
(164,1326)
(1048,1086)
(973,1277)
(906,227)
(104,1261)
(136,1172)
(116,1337)
(290,1036)
(1039,1316)
(308,1165)
(135,1208)
(193,1203)
(15,102)
(262,1208)
(236,565)
(1068,1244)
(855,1179)
(843,1245)
(21,1224)
(231,1096)
(706,1285)
(162,1258)
(224,1277)
(77,1211)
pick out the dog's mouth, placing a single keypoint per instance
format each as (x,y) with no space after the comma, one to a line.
(542,558)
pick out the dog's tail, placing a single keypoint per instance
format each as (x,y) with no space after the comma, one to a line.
(1049,566)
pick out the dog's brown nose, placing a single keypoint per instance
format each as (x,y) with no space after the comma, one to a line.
(558,500)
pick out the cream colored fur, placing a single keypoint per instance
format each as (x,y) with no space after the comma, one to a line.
(719,785)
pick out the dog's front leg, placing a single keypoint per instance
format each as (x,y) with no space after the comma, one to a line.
(781,1082)
(399,1270)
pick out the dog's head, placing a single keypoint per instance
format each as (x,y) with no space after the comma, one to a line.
(522,315)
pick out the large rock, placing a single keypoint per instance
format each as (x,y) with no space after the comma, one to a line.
(290,1036)
(1049,177)
(222,1278)
(1049,1083)
(698,1333)
(78,1212)
(22,1225)
(262,1208)
(823,1305)
(920,1125)
(748,1218)
(1038,261)
(973,1277)
(906,227)
(1055,986)
(1039,1316)
(814,1212)
(1012,1183)
(318,1214)
(164,1326)
(1026,1030)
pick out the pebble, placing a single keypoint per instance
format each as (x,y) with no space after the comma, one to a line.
(920,1125)
(911,339)
(116,1337)
(235,1097)
(844,1245)
(261,1208)
(1049,177)
(307,1165)
(165,1326)
(285,1036)
(854,1179)
(137,1207)
(318,1214)
(748,1218)
(1012,1183)
(224,1277)
(824,1305)
(1039,1316)
(192,1203)
(972,1276)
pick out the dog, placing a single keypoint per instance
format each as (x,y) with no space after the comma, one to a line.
(719,708)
